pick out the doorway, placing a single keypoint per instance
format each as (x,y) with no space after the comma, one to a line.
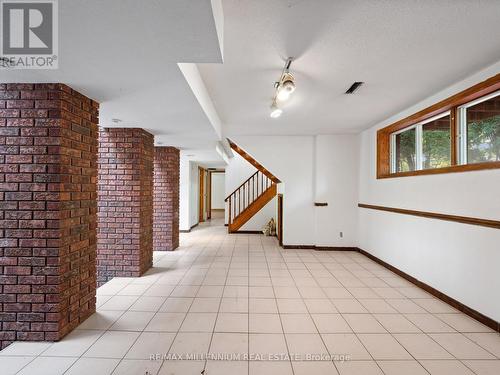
(216,194)
(211,194)
(201,196)
(279,231)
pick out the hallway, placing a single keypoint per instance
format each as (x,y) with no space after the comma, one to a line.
(291,312)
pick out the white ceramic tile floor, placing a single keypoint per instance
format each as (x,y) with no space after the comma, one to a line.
(242,294)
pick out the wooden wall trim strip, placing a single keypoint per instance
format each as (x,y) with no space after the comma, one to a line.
(433,215)
(493,324)
(450,169)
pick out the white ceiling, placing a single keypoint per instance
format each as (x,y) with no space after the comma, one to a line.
(124,54)
(404,50)
(203,157)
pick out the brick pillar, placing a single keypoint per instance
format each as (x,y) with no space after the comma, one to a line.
(125,203)
(166,199)
(48,169)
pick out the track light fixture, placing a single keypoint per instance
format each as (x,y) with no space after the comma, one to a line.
(275,110)
(284,87)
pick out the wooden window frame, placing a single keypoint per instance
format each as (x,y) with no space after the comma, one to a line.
(450,104)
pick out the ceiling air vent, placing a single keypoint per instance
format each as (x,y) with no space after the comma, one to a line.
(355,86)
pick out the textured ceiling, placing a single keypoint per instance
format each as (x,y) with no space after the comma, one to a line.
(404,50)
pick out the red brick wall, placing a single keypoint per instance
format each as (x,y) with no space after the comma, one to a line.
(48,168)
(166,199)
(125,208)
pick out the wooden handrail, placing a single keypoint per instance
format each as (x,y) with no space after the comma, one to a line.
(249,192)
(252,161)
(239,187)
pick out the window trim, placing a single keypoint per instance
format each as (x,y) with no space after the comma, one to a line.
(419,144)
(393,146)
(462,145)
(452,104)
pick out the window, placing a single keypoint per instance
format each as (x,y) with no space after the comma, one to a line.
(422,146)
(480,130)
(436,143)
(404,150)
(460,133)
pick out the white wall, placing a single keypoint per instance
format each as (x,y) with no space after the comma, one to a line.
(188,194)
(218,190)
(194,193)
(457,259)
(336,183)
(311,168)
(184,193)
(262,217)
(290,158)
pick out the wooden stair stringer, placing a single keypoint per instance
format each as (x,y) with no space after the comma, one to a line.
(253,208)
(245,155)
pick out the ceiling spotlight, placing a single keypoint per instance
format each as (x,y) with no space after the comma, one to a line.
(275,110)
(284,87)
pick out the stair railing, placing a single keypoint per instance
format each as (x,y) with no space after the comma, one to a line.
(246,194)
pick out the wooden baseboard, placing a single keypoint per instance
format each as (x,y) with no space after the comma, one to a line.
(493,324)
(247,232)
(487,321)
(335,248)
(188,230)
(320,248)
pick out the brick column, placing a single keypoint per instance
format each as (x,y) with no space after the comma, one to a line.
(48,168)
(125,203)
(166,199)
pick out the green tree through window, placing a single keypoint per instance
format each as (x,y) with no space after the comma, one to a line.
(405,151)
(436,143)
(483,139)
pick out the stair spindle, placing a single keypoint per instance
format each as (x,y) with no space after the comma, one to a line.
(253,189)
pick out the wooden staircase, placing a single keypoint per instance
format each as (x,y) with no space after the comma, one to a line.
(249,198)
(252,195)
